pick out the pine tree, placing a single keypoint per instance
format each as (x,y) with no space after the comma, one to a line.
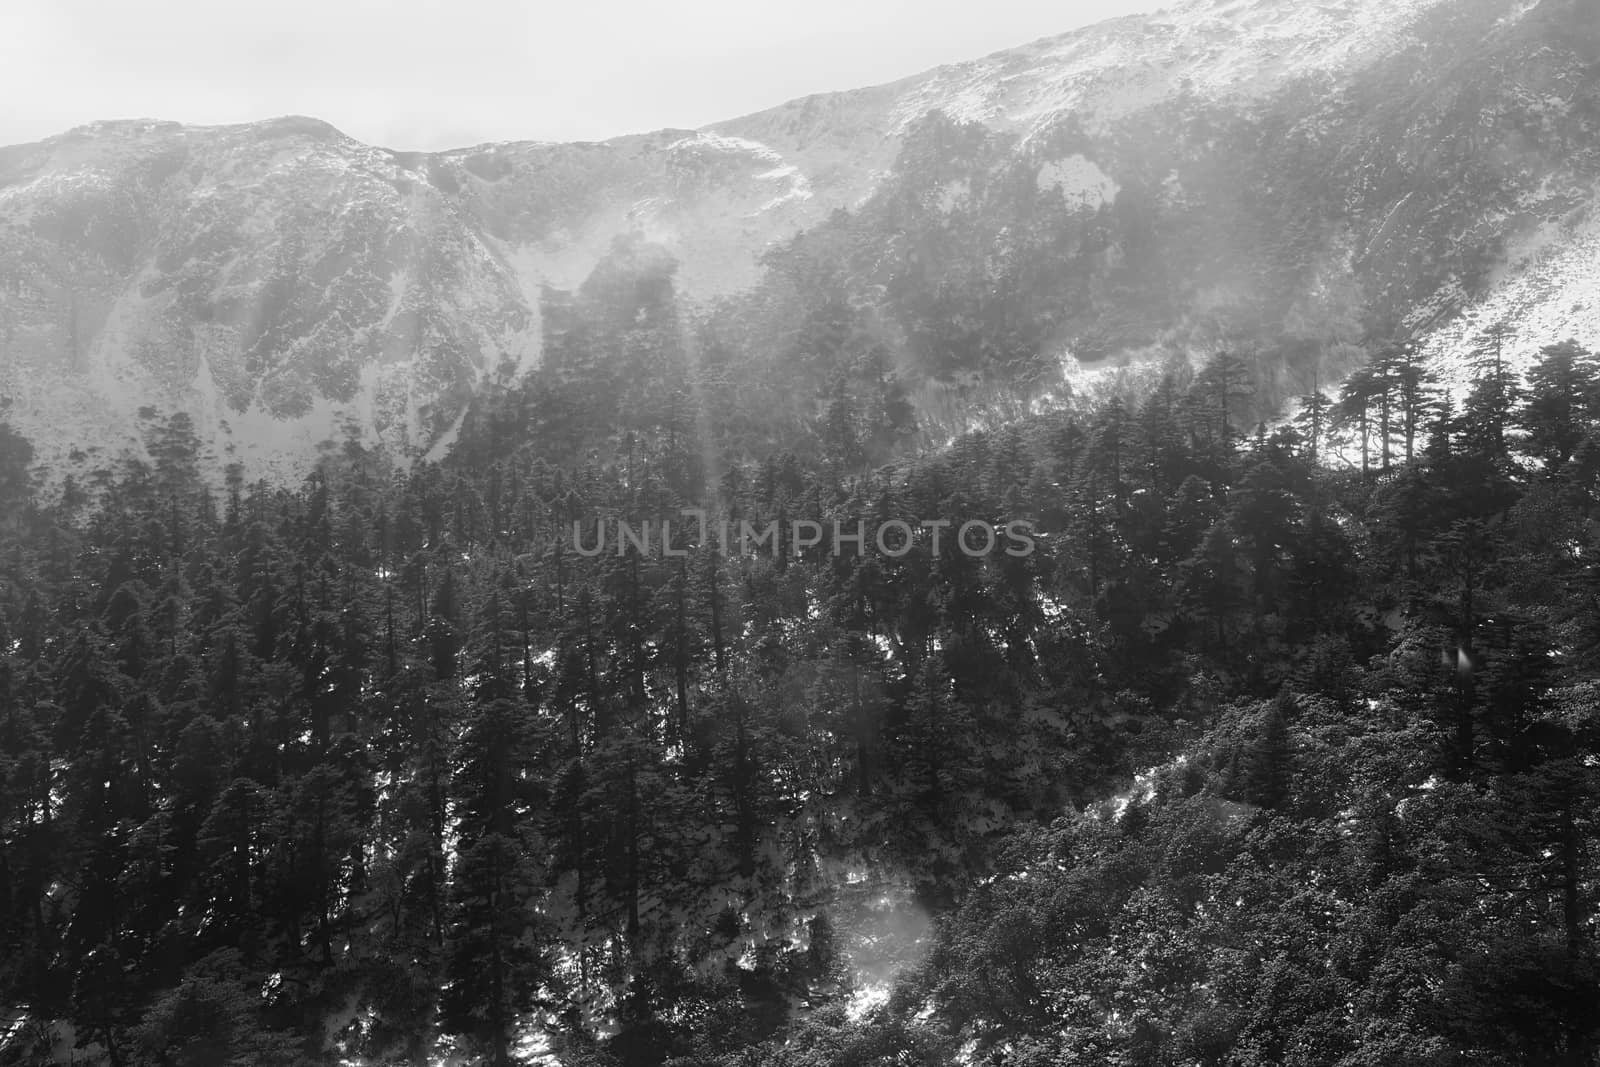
(1489,407)
(1354,412)
(1560,411)
(1218,402)
(495,949)
(1268,765)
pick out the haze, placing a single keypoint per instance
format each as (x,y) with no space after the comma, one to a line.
(423,74)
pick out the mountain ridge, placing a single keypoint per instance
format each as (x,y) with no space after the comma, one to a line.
(149,263)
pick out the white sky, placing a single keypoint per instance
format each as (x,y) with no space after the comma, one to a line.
(430,74)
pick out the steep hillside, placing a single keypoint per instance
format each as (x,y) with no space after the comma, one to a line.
(1272,176)
(279,278)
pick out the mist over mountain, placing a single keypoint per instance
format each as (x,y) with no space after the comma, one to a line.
(519,605)
(1279,178)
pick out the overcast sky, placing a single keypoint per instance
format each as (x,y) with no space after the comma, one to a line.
(428,74)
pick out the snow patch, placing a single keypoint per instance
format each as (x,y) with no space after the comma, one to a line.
(1548,293)
(1079,180)
(953,194)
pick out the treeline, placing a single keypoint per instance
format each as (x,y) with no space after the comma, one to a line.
(1388,861)
(948,294)
(375,769)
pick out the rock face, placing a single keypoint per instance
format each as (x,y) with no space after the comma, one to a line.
(1420,166)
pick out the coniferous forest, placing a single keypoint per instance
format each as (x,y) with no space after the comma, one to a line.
(1280,749)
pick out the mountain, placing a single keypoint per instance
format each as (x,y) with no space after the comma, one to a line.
(1284,177)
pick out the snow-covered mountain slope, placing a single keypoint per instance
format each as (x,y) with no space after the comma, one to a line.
(1223,52)
(1546,292)
(1353,161)
(279,279)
